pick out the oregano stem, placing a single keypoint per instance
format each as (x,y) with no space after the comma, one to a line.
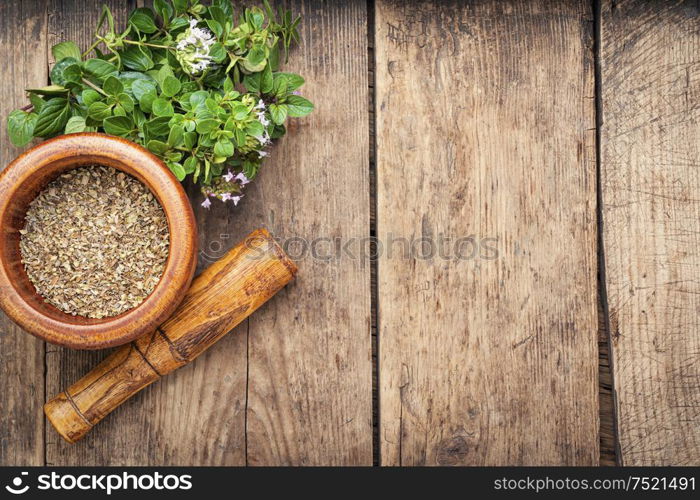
(145,44)
(94,87)
(91,48)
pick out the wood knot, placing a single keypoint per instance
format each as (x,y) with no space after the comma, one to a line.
(452,451)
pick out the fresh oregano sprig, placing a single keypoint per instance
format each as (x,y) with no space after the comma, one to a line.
(197,85)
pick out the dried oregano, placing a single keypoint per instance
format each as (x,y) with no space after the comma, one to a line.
(95,242)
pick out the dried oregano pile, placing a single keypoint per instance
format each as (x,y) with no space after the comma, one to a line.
(95,242)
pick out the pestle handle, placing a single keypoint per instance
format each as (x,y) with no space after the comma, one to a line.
(225,294)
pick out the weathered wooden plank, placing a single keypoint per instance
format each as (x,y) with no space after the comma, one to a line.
(23,42)
(310,385)
(485,129)
(309,398)
(119,441)
(650,151)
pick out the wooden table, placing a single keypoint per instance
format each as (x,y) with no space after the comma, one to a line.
(559,139)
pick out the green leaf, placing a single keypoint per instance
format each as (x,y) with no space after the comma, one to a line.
(278,131)
(75,124)
(250,168)
(256,18)
(217,52)
(163,73)
(239,112)
(162,107)
(112,86)
(137,58)
(223,147)
(294,81)
(141,87)
(255,128)
(146,101)
(207,171)
(176,136)
(198,98)
(278,112)
(99,111)
(57,77)
(73,73)
(279,88)
(240,137)
(206,126)
(190,139)
(190,165)
(49,90)
(143,20)
(175,156)
(266,81)
(218,14)
(228,85)
(65,49)
(20,126)
(274,58)
(157,147)
(36,101)
(180,6)
(118,125)
(255,60)
(53,117)
(178,23)
(298,106)
(177,169)
(126,102)
(158,127)
(171,86)
(164,9)
(215,27)
(89,96)
(99,69)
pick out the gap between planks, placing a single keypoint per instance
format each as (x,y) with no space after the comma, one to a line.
(606,391)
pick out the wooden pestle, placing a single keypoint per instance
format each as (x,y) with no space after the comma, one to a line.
(221,297)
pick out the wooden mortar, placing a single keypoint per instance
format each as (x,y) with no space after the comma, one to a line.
(20,183)
(221,297)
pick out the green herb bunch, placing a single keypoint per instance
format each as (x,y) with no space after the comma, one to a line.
(197,85)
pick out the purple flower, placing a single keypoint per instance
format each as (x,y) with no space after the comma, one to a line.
(296,92)
(236,199)
(263,154)
(206,203)
(228,177)
(242,179)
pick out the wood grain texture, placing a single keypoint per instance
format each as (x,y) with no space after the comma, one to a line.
(485,129)
(310,386)
(650,159)
(23,42)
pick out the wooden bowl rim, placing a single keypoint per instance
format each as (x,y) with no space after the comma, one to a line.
(85,333)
